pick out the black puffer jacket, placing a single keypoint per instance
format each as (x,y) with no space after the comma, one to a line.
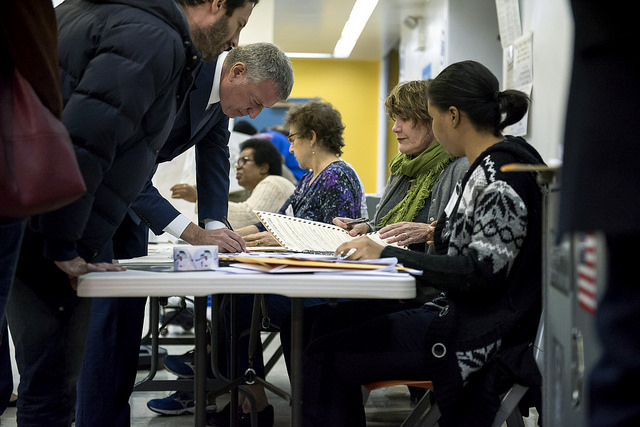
(125,67)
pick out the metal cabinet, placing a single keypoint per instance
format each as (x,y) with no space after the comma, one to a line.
(574,272)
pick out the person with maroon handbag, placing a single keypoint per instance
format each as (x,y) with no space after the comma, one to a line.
(126,67)
(29,41)
(29,45)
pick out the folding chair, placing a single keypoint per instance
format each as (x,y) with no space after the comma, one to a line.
(153,339)
(426,413)
(421,411)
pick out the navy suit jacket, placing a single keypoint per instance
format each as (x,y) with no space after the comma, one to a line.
(208,130)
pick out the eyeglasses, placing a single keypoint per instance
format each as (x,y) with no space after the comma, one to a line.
(292,138)
(242,161)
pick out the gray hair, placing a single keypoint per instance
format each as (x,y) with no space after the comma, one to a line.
(264,61)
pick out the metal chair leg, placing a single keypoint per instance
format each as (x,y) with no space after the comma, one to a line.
(425,414)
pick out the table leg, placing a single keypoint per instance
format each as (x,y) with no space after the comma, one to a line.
(233,362)
(201,358)
(297,312)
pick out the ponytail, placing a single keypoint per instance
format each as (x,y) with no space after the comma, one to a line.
(474,89)
(513,105)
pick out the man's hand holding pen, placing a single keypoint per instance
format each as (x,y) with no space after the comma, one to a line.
(224,238)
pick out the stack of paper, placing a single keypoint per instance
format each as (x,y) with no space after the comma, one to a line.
(308,263)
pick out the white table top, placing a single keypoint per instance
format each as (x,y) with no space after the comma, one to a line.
(138,283)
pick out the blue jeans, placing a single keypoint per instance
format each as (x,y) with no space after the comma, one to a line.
(11,231)
(49,340)
(6,372)
(110,362)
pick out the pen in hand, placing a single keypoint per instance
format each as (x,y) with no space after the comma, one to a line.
(227,224)
(353,222)
(344,255)
(225,221)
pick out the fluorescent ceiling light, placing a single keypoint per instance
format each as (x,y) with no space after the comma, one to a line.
(360,14)
(307,55)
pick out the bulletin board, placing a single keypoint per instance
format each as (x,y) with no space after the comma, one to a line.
(274,116)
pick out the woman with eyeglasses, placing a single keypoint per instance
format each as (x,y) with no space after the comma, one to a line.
(330,188)
(259,171)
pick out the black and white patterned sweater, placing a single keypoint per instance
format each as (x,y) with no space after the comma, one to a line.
(489,265)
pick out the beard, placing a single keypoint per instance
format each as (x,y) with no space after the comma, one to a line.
(211,41)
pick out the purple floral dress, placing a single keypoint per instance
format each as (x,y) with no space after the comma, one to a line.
(337,191)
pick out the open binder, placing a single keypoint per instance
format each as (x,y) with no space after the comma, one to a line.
(302,235)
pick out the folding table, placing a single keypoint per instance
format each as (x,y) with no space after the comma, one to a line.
(200,284)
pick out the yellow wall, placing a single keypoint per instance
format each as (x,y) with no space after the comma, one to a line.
(393,79)
(352,88)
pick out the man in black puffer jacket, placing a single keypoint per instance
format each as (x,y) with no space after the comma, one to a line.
(125,66)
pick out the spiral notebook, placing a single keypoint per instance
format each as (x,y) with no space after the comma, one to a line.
(303,235)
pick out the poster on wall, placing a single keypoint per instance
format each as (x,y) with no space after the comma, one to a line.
(508,21)
(518,59)
(518,72)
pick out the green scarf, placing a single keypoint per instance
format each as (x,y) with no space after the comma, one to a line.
(424,169)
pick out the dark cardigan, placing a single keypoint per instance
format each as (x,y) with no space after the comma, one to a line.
(489,266)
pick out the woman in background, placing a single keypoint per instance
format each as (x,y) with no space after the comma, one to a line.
(329,189)
(422,174)
(259,171)
(422,178)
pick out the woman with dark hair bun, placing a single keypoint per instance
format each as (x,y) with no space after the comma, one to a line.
(470,87)
(476,338)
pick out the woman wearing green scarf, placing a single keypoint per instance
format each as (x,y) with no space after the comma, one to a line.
(422,175)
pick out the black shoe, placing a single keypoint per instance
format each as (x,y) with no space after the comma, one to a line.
(223,418)
(220,418)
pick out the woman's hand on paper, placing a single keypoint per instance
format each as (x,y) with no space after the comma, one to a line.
(353,229)
(77,266)
(360,248)
(264,238)
(406,233)
(245,231)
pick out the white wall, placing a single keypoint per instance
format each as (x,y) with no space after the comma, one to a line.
(473,34)
(423,49)
(467,29)
(551,23)
(260,25)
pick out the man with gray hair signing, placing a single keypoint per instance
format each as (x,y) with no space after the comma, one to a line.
(241,82)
